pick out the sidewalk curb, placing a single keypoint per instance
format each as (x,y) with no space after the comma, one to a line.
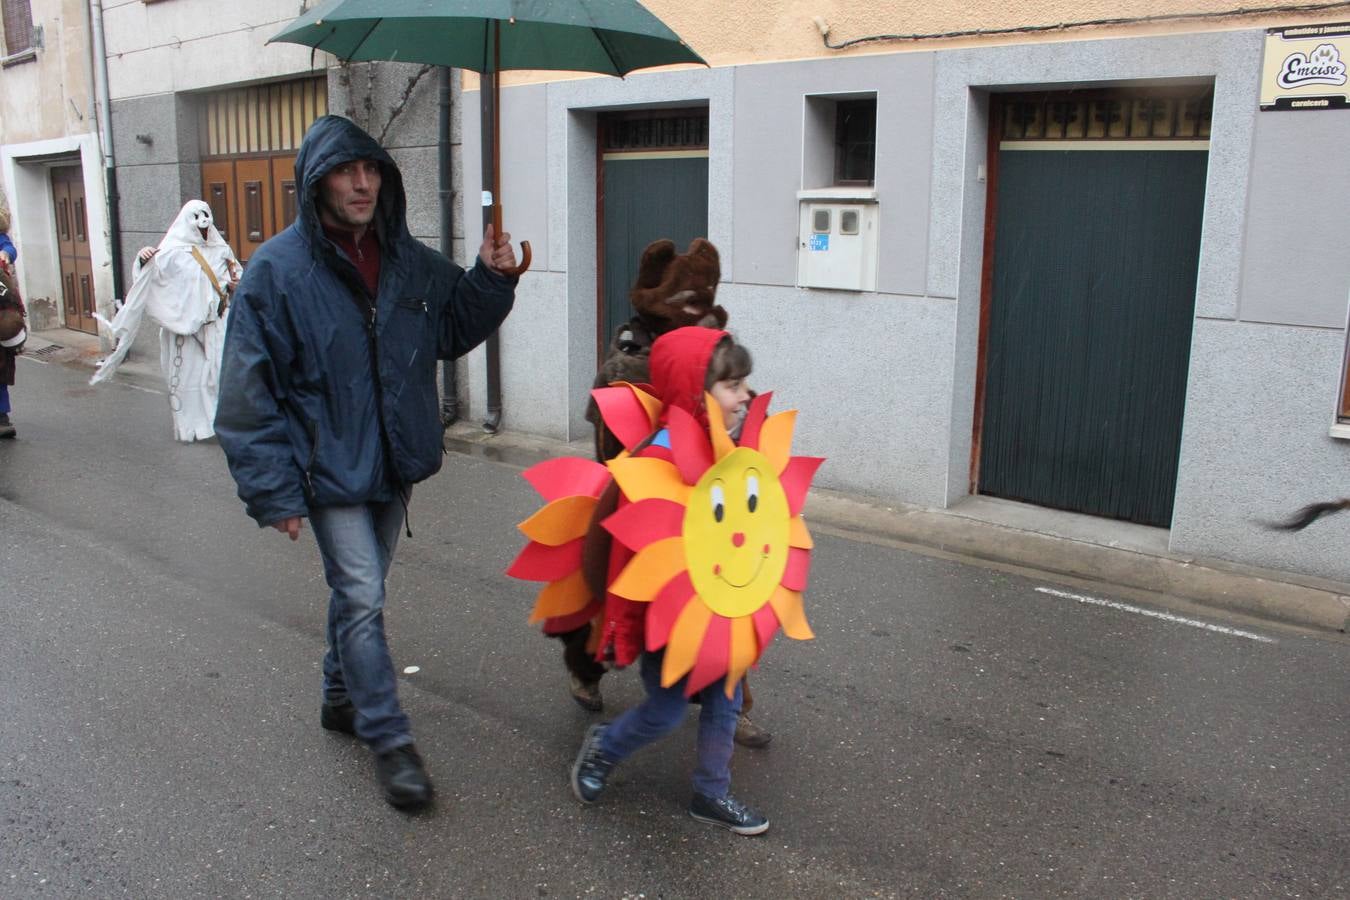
(1262,593)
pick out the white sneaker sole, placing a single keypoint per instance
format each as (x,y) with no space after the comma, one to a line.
(734,829)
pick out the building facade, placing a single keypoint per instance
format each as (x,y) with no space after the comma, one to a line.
(51,164)
(1077,267)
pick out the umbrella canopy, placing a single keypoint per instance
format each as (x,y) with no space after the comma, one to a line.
(610,37)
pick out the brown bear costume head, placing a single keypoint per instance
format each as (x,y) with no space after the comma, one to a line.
(675,290)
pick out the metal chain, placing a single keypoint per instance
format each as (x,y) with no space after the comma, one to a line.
(175,400)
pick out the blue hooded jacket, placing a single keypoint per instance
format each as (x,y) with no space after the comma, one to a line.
(328,396)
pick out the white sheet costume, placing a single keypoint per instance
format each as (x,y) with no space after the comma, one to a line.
(174,289)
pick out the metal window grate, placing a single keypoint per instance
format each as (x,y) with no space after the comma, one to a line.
(1146,114)
(655,130)
(266,118)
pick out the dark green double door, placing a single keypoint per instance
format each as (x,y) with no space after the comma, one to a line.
(645,197)
(1090,309)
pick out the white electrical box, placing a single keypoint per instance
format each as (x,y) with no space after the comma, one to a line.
(837,235)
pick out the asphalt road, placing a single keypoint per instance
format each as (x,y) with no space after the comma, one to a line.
(952,731)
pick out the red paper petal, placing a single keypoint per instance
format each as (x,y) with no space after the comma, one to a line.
(689,445)
(623,413)
(666,608)
(567,476)
(639,524)
(798,567)
(754,420)
(796,480)
(539,562)
(573,621)
(766,624)
(713,656)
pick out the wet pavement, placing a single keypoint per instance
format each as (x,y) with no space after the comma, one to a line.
(952,731)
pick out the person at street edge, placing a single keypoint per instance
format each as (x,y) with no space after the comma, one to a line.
(329,410)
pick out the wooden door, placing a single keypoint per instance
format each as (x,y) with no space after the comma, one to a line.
(72,236)
(285,202)
(218,188)
(253,192)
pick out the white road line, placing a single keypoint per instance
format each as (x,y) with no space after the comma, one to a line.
(1169,617)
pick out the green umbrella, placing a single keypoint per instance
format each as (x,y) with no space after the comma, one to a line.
(611,37)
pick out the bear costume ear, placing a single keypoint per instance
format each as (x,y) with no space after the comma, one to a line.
(655,260)
(705,262)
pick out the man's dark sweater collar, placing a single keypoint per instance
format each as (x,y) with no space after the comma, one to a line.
(364,254)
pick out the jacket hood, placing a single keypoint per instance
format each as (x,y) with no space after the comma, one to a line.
(330,142)
(679,367)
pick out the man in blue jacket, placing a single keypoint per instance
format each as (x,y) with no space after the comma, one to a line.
(328,407)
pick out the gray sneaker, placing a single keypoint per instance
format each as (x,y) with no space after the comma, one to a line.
(592,768)
(728,813)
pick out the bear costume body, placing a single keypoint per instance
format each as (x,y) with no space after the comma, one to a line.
(672,290)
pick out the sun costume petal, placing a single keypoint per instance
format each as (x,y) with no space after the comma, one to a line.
(628,410)
(563,520)
(566,476)
(775,438)
(666,609)
(639,524)
(685,640)
(654,565)
(754,420)
(641,478)
(796,479)
(713,655)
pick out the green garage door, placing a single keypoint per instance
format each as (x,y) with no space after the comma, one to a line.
(654,184)
(1090,311)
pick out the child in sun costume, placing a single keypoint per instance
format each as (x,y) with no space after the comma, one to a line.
(708,556)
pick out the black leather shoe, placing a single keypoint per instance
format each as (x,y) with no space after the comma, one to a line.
(338,717)
(404,778)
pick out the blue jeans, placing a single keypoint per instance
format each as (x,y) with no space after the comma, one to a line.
(357,544)
(663,711)
(4,399)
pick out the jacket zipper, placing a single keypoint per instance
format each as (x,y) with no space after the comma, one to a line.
(379,413)
(313,454)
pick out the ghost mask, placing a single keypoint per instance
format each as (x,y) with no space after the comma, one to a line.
(200,218)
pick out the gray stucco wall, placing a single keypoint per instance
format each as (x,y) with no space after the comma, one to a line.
(1263,391)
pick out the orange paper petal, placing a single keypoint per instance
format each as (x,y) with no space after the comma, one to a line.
(775,438)
(787,605)
(744,651)
(685,639)
(563,520)
(641,478)
(650,570)
(717,428)
(562,598)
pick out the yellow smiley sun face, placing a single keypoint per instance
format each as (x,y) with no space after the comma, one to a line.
(736,529)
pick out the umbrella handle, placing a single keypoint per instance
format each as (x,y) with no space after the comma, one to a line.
(525,257)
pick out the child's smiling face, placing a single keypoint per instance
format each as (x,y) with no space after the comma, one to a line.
(732,395)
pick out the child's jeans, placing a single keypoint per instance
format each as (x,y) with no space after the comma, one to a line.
(663,711)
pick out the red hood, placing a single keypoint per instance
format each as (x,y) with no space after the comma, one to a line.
(679,366)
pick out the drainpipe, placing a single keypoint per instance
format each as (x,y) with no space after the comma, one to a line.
(486,89)
(106,139)
(449,388)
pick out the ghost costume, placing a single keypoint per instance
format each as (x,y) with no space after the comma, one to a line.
(174,290)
